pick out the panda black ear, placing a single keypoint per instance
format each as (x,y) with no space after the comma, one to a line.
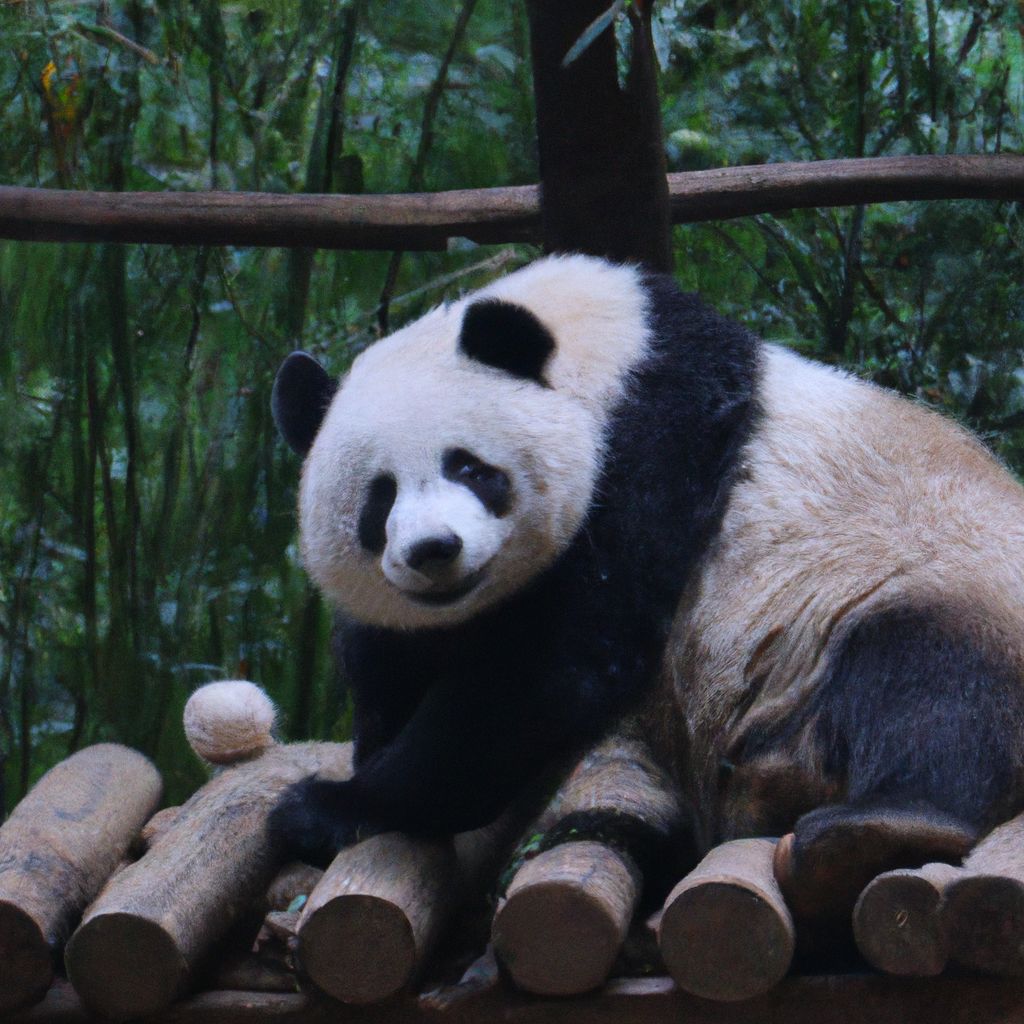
(508,337)
(302,391)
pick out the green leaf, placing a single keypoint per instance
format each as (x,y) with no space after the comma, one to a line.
(593,30)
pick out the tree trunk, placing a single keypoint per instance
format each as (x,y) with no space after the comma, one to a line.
(602,161)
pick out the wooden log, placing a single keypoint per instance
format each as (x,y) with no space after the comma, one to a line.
(619,783)
(567,912)
(143,937)
(726,933)
(380,907)
(293,880)
(374,916)
(247,972)
(898,922)
(426,221)
(984,908)
(565,917)
(58,847)
(156,827)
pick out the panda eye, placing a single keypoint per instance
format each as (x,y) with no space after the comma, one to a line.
(380,496)
(491,486)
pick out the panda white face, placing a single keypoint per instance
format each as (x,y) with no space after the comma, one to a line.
(424,499)
(459,456)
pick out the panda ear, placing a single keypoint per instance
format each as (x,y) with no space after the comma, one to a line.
(302,391)
(508,337)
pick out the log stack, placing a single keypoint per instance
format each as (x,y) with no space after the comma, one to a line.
(142,940)
(564,918)
(59,846)
(364,931)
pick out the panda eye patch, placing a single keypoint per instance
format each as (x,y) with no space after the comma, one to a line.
(491,486)
(380,496)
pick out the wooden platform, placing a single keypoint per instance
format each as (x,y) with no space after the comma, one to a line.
(834,999)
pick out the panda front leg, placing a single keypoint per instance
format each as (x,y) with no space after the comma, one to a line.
(921,719)
(460,759)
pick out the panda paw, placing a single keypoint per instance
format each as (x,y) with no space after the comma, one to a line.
(834,852)
(312,822)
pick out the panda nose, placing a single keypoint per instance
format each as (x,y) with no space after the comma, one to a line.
(433,554)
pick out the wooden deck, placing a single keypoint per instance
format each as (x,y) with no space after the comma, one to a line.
(829,999)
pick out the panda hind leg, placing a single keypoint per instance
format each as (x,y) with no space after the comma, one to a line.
(834,852)
(921,717)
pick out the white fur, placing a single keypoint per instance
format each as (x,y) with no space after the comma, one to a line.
(854,500)
(413,395)
(229,721)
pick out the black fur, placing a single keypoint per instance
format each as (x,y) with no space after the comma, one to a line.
(302,392)
(507,337)
(487,482)
(915,708)
(915,711)
(373,517)
(452,723)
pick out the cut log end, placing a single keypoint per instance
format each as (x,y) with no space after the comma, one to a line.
(26,968)
(126,964)
(156,920)
(898,922)
(565,918)
(725,933)
(723,941)
(358,948)
(985,917)
(376,914)
(57,848)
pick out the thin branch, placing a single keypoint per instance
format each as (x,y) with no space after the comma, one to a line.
(426,220)
(106,36)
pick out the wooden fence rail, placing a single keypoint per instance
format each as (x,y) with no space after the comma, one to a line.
(425,221)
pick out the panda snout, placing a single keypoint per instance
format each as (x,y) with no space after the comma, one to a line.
(433,556)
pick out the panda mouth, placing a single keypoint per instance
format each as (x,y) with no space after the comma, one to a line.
(438,598)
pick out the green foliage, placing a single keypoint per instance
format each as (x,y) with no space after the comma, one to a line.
(147,534)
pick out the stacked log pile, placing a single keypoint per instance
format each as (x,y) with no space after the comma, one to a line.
(138,935)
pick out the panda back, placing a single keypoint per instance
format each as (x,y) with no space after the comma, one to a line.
(853,502)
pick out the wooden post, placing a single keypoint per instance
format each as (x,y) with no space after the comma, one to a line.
(374,915)
(898,921)
(143,937)
(58,847)
(984,911)
(726,933)
(566,913)
(563,922)
(380,907)
(602,154)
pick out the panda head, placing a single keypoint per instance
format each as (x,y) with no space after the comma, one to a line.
(458,457)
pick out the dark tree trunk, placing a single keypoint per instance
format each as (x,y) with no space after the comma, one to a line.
(602,160)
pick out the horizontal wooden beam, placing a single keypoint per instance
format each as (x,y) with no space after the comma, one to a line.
(424,221)
(823,999)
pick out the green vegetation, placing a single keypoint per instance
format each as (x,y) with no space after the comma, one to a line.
(147,537)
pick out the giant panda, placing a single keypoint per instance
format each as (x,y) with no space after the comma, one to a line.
(578,496)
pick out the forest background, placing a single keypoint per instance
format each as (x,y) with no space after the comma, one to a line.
(147,529)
